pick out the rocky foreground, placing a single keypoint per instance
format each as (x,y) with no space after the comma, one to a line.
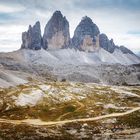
(63,110)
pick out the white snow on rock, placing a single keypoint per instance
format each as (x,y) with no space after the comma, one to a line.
(30,99)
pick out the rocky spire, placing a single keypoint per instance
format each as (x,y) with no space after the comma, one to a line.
(56,34)
(86,35)
(32,38)
(106,44)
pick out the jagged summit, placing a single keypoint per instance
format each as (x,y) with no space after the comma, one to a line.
(57,14)
(125,50)
(56,33)
(87,19)
(86,35)
(106,44)
(32,38)
(86,26)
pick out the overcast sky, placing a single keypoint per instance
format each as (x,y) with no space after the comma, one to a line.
(119,19)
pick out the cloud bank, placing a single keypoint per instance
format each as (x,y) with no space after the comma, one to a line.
(119,19)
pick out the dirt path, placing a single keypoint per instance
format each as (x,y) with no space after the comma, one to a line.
(38,122)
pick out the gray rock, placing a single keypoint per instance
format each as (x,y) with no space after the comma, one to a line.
(106,44)
(109,45)
(32,38)
(56,34)
(86,35)
(125,50)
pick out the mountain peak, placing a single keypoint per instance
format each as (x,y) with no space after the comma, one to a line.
(57,12)
(86,35)
(32,38)
(106,44)
(86,18)
(37,23)
(56,34)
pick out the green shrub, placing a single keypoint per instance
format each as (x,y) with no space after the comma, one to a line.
(70,108)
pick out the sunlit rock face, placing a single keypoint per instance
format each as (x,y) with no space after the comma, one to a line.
(32,38)
(56,34)
(86,36)
(88,44)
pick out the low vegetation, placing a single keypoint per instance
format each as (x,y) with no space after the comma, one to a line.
(60,101)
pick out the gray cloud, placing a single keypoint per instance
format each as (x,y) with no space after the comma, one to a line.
(116,18)
(123,4)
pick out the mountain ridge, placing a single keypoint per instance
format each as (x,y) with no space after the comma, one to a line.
(87,57)
(87,36)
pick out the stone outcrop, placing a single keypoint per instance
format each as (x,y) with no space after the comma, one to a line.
(106,44)
(86,36)
(56,34)
(125,50)
(109,45)
(32,38)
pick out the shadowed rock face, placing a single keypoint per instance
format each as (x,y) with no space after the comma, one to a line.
(86,35)
(56,34)
(109,45)
(32,38)
(125,50)
(106,44)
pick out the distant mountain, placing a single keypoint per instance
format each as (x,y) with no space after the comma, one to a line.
(32,39)
(56,34)
(87,36)
(89,56)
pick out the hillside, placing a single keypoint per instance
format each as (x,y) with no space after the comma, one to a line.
(58,110)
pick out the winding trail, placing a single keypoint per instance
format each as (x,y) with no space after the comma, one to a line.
(38,122)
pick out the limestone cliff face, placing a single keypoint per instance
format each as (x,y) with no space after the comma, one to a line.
(32,38)
(86,35)
(109,45)
(106,44)
(56,34)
